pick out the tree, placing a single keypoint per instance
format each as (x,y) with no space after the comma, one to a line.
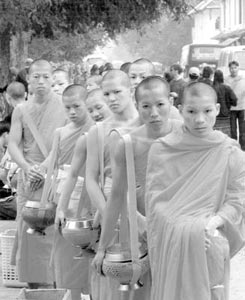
(46,17)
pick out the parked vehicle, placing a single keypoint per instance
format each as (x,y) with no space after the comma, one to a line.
(200,55)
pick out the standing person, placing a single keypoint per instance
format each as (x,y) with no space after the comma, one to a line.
(65,252)
(177,84)
(139,70)
(226,98)
(117,91)
(61,81)
(194,74)
(194,204)
(207,75)
(237,83)
(152,96)
(69,273)
(23,73)
(46,112)
(97,106)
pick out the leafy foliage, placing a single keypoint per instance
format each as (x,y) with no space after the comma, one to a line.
(45,17)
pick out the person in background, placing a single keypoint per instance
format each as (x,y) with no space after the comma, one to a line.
(93,82)
(139,70)
(194,74)
(95,70)
(226,98)
(177,84)
(237,83)
(22,75)
(125,67)
(207,75)
(15,94)
(7,197)
(105,68)
(61,81)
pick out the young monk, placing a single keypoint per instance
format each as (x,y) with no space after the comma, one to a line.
(93,82)
(46,112)
(194,204)
(97,106)
(69,273)
(15,93)
(117,92)
(152,96)
(61,81)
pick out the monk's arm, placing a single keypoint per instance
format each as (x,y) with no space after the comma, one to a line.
(77,163)
(93,171)
(15,137)
(118,196)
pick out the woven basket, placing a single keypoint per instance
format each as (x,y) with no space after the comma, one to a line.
(9,272)
(44,294)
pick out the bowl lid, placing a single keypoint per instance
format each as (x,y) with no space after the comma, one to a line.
(116,253)
(32,204)
(79,223)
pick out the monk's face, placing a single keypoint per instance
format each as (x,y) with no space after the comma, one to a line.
(118,96)
(60,82)
(199,113)
(97,107)
(40,78)
(75,108)
(154,106)
(138,72)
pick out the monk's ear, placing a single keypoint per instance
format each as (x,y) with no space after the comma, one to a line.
(171,100)
(217,105)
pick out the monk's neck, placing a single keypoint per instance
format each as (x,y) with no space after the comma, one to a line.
(129,113)
(41,99)
(153,133)
(86,121)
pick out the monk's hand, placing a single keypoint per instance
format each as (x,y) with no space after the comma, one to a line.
(60,219)
(34,174)
(97,262)
(211,229)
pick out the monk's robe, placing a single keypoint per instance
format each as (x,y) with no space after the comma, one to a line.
(70,273)
(33,251)
(189,180)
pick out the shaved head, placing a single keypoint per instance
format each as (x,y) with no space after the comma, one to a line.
(40,63)
(151,83)
(62,71)
(198,89)
(118,75)
(75,89)
(16,90)
(95,92)
(146,63)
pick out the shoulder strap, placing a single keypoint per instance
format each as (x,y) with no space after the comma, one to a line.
(38,138)
(101,146)
(132,207)
(49,181)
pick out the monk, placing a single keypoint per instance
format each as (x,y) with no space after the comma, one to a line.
(44,111)
(194,204)
(152,96)
(61,81)
(97,106)
(118,94)
(69,273)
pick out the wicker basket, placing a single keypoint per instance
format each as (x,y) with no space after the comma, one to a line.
(44,294)
(9,273)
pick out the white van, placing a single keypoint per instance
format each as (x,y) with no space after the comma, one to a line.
(229,54)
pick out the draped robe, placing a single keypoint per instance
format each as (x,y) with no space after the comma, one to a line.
(33,252)
(189,180)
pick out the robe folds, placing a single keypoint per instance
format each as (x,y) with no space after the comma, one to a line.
(33,252)
(189,180)
(70,273)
